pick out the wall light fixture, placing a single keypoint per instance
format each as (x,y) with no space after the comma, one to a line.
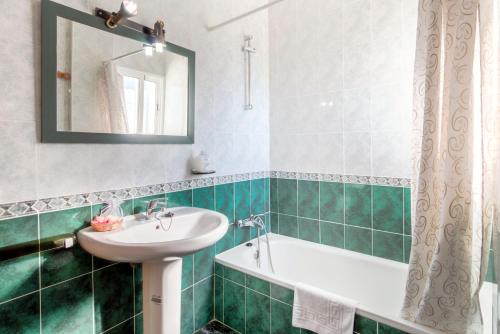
(128,9)
(159,34)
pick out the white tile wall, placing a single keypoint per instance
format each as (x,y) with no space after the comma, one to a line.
(343,71)
(335,74)
(237,140)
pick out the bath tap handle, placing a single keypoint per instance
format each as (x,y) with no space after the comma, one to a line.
(252,221)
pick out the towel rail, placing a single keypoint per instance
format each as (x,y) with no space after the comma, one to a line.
(63,241)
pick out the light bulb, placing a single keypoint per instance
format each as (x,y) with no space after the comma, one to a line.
(130,7)
(158,47)
(148,50)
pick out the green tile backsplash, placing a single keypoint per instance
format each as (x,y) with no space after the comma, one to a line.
(224,200)
(72,292)
(287,196)
(203,302)
(358,239)
(18,277)
(308,229)
(242,199)
(113,296)
(19,230)
(308,198)
(332,202)
(65,221)
(21,315)
(204,198)
(67,307)
(368,219)
(388,245)
(69,291)
(388,209)
(60,265)
(358,205)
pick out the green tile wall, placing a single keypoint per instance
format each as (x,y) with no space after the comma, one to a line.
(248,305)
(368,219)
(70,291)
(63,291)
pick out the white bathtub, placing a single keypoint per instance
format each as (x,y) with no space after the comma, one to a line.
(377,284)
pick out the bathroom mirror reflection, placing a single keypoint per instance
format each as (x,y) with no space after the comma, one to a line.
(102,85)
(112,84)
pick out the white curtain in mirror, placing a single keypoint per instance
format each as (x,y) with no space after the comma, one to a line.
(111,100)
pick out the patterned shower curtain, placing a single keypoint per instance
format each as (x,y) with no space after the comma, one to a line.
(455,191)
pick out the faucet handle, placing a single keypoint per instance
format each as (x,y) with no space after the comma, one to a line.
(251,221)
(258,221)
(153,204)
(156,202)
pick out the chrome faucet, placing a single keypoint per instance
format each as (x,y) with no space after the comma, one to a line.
(257,221)
(252,221)
(152,205)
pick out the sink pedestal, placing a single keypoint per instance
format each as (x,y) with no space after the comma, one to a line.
(160,250)
(161,284)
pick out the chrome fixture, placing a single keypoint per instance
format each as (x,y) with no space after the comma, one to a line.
(159,34)
(58,242)
(257,221)
(152,205)
(252,221)
(248,50)
(156,39)
(152,214)
(65,242)
(128,8)
(148,50)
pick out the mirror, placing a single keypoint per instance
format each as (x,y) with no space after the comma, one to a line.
(108,87)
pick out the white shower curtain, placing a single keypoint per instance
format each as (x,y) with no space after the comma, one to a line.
(111,100)
(456,140)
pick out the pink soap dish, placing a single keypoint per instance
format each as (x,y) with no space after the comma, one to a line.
(105,224)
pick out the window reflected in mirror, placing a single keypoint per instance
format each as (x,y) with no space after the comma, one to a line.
(106,83)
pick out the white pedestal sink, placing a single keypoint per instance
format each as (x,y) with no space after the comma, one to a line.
(159,244)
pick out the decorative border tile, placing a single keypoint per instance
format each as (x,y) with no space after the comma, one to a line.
(308,176)
(224,179)
(242,177)
(357,179)
(330,177)
(10,210)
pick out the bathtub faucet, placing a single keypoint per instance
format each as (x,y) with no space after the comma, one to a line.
(252,221)
(257,221)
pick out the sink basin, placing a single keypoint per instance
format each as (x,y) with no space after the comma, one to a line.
(188,231)
(159,244)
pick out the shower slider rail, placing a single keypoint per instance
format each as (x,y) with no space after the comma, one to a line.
(248,50)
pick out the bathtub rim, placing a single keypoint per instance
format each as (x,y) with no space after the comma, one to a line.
(398,323)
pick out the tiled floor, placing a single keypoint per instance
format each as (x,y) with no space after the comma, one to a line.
(215,327)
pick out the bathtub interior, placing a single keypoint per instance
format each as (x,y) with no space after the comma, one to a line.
(377,284)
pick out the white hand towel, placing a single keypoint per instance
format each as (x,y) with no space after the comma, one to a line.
(322,312)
